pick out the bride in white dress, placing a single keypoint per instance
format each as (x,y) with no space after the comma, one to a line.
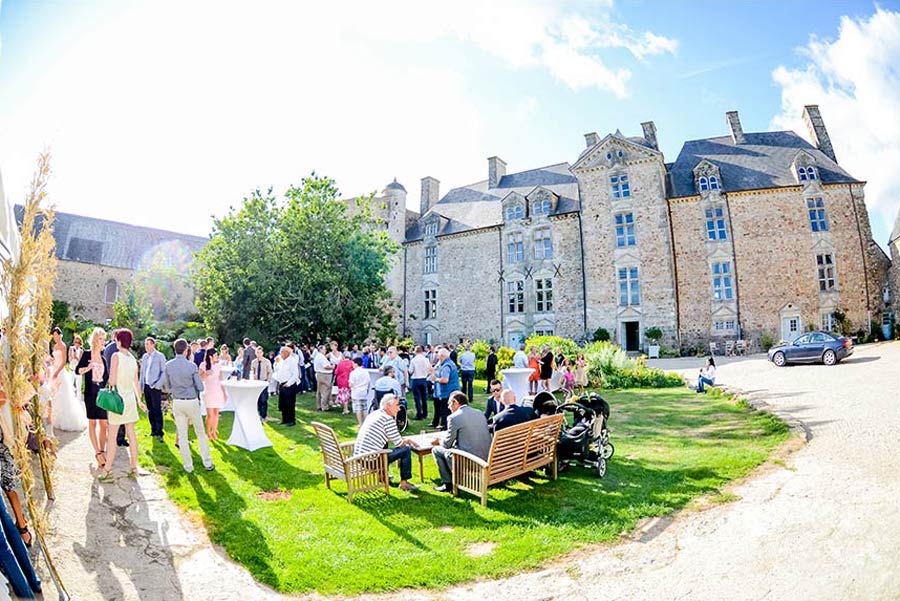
(66,413)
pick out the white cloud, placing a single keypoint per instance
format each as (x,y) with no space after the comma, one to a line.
(171,111)
(526,108)
(855,82)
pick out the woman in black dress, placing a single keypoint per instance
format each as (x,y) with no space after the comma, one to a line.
(95,371)
(546,367)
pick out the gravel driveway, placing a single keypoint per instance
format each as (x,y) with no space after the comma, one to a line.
(826,525)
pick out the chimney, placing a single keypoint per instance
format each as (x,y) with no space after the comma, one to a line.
(591,139)
(496,170)
(817,130)
(650,134)
(734,124)
(430,193)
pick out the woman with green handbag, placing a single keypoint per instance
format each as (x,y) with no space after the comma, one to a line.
(123,378)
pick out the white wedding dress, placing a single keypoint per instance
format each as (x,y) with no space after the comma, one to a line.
(67,412)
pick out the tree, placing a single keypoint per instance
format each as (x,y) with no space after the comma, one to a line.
(133,311)
(303,268)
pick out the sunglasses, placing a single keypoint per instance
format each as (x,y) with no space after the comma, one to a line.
(496,389)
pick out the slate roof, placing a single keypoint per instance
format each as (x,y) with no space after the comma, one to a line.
(762,161)
(476,206)
(102,242)
(395,185)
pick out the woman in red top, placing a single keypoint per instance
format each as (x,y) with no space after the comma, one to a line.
(534,362)
(342,377)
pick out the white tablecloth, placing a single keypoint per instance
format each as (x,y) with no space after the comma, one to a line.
(247,431)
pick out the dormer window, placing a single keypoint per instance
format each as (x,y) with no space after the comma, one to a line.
(619,186)
(713,182)
(541,207)
(514,212)
(431,228)
(806,174)
(703,183)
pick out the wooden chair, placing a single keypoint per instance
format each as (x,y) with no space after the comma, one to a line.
(514,451)
(361,473)
(729,348)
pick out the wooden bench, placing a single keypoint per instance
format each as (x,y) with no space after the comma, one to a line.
(361,473)
(514,451)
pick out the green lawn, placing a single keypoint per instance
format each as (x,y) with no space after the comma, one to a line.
(671,447)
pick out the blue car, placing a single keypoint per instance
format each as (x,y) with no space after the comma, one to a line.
(812,347)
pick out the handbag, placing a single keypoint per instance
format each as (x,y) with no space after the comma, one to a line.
(111,400)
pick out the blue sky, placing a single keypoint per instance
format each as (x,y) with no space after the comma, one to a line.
(166,113)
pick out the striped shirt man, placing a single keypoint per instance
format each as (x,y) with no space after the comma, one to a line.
(376,431)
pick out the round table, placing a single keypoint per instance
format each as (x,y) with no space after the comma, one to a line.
(516,379)
(247,431)
(224,373)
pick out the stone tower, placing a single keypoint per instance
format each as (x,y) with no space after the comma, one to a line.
(390,207)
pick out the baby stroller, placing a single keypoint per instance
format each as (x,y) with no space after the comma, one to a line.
(585,437)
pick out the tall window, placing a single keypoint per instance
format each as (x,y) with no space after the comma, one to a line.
(431,304)
(715,224)
(703,184)
(713,182)
(624,230)
(515,249)
(825,263)
(544,292)
(431,259)
(722,281)
(816,208)
(619,186)
(431,229)
(806,173)
(543,244)
(111,292)
(629,287)
(541,207)
(514,212)
(828,322)
(515,294)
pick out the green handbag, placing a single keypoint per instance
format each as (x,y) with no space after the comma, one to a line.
(111,400)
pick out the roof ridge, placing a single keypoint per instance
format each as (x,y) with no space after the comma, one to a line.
(122,223)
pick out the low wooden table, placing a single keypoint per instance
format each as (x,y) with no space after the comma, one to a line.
(422,446)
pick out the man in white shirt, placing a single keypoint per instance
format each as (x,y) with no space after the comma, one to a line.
(359,389)
(288,377)
(520,359)
(418,376)
(324,370)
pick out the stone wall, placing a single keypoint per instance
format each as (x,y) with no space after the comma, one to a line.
(652,254)
(83,287)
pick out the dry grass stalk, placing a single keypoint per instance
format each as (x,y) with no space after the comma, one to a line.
(27,285)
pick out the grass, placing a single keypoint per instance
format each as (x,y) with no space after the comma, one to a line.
(672,446)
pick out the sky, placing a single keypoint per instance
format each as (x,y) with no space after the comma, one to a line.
(167,113)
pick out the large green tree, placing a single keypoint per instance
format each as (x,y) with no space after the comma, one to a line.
(303,268)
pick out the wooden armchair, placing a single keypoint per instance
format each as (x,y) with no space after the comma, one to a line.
(361,473)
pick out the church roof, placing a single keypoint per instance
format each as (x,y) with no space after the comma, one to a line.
(115,244)
(476,206)
(762,161)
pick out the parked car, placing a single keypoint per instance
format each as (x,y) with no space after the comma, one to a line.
(812,347)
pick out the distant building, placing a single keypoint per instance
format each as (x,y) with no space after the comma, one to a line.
(98,257)
(742,235)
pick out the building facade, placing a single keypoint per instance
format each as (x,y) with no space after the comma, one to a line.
(97,258)
(743,235)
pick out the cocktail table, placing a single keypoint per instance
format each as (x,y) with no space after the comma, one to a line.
(247,431)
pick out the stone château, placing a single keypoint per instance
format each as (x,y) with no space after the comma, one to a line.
(742,235)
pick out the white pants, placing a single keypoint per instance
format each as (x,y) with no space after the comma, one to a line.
(184,410)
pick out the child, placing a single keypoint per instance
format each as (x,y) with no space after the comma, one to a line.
(569,375)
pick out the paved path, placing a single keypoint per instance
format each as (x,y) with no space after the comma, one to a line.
(825,526)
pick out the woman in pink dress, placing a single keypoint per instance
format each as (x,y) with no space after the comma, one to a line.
(342,377)
(213,393)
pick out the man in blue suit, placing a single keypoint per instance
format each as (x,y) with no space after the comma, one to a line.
(153,365)
(494,405)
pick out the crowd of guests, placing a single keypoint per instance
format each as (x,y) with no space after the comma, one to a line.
(544,364)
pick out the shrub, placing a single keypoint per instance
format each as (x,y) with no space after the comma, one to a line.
(653,334)
(480,348)
(504,360)
(601,335)
(569,348)
(766,342)
(608,363)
